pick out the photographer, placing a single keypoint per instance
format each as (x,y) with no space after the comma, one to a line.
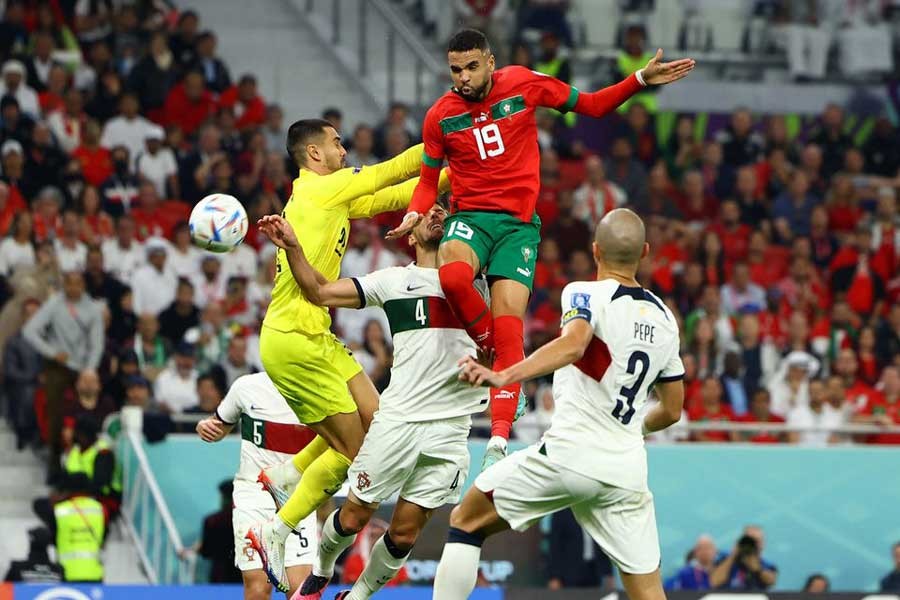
(745,569)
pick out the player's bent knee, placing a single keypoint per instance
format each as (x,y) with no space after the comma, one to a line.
(256,585)
(355,514)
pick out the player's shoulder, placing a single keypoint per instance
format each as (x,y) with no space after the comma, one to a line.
(589,292)
(251,384)
(387,278)
(448,104)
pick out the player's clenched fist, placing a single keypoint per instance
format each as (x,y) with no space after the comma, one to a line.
(477,374)
(211,429)
(279,231)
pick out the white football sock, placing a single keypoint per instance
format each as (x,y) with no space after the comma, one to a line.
(457,572)
(331,545)
(381,568)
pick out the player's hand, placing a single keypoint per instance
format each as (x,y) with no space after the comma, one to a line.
(279,231)
(475,374)
(660,73)
(485,357)
(409,222)
(211,429)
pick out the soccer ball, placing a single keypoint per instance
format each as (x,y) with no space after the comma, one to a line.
(218,223)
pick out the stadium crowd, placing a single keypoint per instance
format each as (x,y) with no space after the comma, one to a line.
(777,252)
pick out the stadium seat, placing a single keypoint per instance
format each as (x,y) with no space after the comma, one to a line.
(600,19)
(664,25)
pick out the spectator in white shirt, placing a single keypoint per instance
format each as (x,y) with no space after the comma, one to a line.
(209,284)
(184,257)
(157,164)
(14,85)
(176,387)
(818,417)
(789,387)
(154,284)
(71,252)
(123,254)
(236,363)
(363,146)
(67,124)
(129,129)
(365,254)
(741,294)
(597,195)
(273,129)
(242,262)
(17,250)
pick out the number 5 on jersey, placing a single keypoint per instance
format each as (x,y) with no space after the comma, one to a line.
(489,136)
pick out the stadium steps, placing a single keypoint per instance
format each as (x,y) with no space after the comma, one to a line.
(292,67)
(22,477)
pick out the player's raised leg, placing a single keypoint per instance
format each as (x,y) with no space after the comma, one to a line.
(459,264)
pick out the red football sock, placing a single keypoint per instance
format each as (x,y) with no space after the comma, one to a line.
(509,349)
(466,303)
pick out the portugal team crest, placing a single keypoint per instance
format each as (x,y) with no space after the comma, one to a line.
(363,481)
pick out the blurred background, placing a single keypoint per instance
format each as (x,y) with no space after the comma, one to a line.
(768,181)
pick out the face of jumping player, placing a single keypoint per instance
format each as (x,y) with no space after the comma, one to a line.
(431,229)
(329,150)
(471,72)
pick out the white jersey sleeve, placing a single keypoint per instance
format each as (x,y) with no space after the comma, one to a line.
(577,304)
(674,369)
(230,410)
(376,288)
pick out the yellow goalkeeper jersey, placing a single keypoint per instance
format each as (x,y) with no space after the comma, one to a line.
(319,210)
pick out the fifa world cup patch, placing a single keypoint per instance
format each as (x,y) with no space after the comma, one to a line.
(581,300)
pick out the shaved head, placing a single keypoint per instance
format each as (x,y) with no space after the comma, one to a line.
(620,238)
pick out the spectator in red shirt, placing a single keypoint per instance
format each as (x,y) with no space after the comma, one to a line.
(862,286)
(189,104)
(150,221)
(711,408)
(581,266)
(9,205)
(549,268)
(249,107)
(597,195)
(759,413)
(869,361)
(885,409)
(844,212)
(693,201)
(859,394)
(712,259)
(886,229)
(98,225)
(734,235)
(768,264)
(547,207)
(95,160)
(51,99)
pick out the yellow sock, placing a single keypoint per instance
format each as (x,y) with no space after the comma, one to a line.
(319,482)
(313,450)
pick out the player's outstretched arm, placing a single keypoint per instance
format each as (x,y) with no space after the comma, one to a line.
(212,429)
(344,186)
(601,102)
(317,289)
(395,197)
(426,191)
(564,350)
(668,411)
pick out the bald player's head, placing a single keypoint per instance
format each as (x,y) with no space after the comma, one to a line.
(620,240)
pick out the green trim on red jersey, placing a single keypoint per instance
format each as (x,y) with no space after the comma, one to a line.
(572,101)
(507,107)
(457,123)
(430,161)
(427,312)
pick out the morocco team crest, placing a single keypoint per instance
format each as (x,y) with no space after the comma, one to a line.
(526,254)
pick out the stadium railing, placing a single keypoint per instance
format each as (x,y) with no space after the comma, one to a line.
(147,518)
(397,67)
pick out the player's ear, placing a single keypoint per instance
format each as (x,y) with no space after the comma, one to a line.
(312,151)
(491,62)
(645,251)
(595,250)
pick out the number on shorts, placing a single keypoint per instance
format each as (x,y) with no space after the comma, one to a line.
(489,134)
(257,433)
(420,312)
(304,542)
(460,230)
(629,393)
(455,483)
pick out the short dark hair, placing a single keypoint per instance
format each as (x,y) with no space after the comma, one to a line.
(332,113)
(300,132)
(468,39)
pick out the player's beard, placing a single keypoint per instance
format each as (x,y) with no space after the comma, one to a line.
(476,94)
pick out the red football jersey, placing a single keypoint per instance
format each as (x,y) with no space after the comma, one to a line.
(492,145)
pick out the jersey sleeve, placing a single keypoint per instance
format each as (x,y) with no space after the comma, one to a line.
(432,139)
(230,408)
(544,90)
(374,288)
(344,186)
(578,303)
(395,197)
(674,369)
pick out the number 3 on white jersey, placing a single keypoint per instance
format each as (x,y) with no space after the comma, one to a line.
(489,134)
